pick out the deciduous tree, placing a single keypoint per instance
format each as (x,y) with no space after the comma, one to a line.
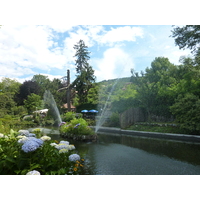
(187,37)
(33,102)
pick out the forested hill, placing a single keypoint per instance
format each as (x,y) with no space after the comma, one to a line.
(114,91)
(120,80)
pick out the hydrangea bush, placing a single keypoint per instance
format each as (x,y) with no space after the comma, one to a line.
(76,127)
(23,153)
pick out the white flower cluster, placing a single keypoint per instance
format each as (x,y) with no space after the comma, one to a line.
(26,133)
(34,172)
(45,138)
(1,135)
(22,139)
(63,145)
(23,132)
(63,150)
(53,144)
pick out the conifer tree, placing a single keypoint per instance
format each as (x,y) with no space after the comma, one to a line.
(85,74)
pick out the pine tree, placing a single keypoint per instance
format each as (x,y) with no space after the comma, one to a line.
(85,74)
(82,55)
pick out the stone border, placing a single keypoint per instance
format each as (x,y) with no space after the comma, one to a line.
(170,136)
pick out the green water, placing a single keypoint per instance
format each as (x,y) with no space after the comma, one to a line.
(115,154)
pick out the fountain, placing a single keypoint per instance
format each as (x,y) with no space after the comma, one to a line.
(50,101)
(105,111)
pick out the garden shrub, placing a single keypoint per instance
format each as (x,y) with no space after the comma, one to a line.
(114,120)
(69,116)
(21,153)
(186,110)
(76,127)
(16,124)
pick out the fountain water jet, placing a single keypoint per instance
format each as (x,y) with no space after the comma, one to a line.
(50,101)
(105,112)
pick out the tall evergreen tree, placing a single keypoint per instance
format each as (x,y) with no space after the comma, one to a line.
(82,55)
(85,74)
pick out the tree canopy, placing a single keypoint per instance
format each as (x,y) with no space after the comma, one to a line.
(187,37)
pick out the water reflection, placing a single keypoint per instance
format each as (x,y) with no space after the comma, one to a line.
(187,152)
(120,154)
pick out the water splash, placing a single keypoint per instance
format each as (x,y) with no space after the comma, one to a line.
(50,101)
(105,111)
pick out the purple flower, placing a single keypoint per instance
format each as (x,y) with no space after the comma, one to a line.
(62,123)
(77,125)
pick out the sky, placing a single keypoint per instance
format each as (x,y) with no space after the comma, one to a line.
(27,50)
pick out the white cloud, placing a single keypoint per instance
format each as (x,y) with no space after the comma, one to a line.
(114,64)
(176,54)
(97,34)
(28,46)
(51,77)
(60,27)
(121,34)
(12,71)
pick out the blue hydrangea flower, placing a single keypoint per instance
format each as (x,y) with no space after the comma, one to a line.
(74,157)
(61,146)
(31,135)
(39,141)
(31,144)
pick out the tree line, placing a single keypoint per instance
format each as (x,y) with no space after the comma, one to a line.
(20,99)
(163,89)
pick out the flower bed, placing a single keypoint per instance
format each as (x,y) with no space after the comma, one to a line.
(77,129)
(23,153)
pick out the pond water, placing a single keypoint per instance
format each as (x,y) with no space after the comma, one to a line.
(116,154)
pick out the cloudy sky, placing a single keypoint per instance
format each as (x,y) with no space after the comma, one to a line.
(26,50)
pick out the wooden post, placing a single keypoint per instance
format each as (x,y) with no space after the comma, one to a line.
(68,91)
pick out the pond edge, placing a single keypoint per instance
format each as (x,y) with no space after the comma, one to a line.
(171,136)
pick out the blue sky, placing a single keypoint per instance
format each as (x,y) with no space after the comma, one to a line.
(26,50)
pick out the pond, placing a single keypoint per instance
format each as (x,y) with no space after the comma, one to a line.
(116,154)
